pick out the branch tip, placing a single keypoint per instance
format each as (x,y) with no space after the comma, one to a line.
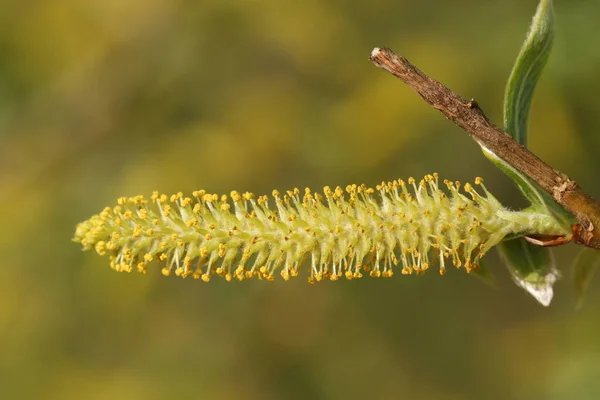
(374,53)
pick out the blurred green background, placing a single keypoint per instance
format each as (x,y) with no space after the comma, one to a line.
(122,97)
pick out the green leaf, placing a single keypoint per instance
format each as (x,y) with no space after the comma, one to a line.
(518,96)
(584,266)
(526,187)
(519,93)
(540,200)
(527,71)
(532,268)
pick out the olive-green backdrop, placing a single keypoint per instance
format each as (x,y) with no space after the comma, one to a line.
(123,97)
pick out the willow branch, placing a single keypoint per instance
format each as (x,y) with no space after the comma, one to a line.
(471,118)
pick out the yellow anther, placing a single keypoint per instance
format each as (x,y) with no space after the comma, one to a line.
(235,196)
(262,199)
(192,222)
(142,268)
(101,248)
(137,231)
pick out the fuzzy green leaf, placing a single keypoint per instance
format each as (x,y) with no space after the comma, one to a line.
(518,96)
(525,185)
(527,71)
(539,199)
(532,268)
(519,93)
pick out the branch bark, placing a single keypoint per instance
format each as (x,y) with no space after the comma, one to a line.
(471,118)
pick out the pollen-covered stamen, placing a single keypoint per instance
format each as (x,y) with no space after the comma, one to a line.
(340,233)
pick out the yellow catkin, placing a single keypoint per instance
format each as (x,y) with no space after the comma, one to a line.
(334,234)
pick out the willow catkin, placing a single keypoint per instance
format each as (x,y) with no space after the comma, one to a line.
(339,233)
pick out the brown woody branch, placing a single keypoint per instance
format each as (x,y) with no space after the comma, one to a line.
(471,118)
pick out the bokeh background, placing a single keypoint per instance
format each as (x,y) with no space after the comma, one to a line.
(122,97)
